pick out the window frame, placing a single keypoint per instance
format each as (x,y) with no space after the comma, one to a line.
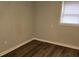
(61,13)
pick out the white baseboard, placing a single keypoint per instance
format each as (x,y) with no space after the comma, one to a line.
(60,44)
(15,47)
(56,43)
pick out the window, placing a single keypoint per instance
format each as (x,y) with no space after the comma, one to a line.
(70,12)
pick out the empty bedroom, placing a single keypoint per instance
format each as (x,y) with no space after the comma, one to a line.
(39,28)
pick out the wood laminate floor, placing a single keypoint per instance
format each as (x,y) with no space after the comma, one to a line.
(42,49)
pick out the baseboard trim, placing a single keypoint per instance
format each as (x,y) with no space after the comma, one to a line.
(15,47)
(57,43)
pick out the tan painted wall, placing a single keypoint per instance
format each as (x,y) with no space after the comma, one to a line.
(19,21)
(15,23)
(48,27)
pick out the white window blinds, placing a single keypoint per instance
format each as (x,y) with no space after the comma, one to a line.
(70,12)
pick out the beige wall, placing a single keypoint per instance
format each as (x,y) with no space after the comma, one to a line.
(48,27)
(15,23)
(19,21)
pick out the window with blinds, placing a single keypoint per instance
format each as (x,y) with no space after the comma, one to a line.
(70,12)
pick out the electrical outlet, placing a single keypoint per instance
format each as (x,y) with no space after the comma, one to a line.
(52,26)
(5,42)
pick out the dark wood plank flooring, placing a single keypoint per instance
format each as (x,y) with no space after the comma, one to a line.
(42,49)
